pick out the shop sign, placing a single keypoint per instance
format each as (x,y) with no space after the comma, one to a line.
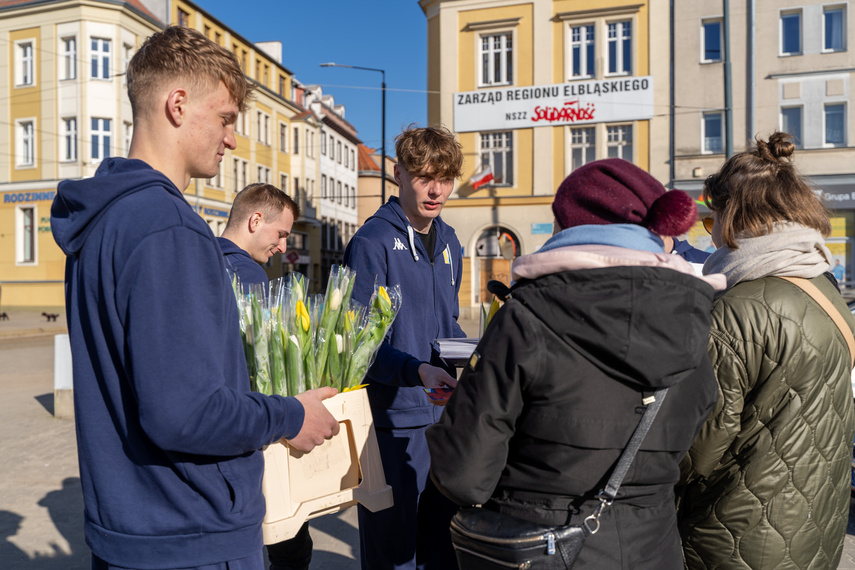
(21,197)
(578,102)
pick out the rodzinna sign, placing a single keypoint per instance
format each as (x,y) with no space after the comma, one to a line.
(579,102)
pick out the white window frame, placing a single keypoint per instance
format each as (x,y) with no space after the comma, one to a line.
(217,180)
(25,143)
(798,137)
(99,57)
(825,107)
(582,44)
(295,142)
(283,183)
(127,135)
(504,52)
(68,141)
(500,179)
(331,194)
(68,61)
(283,136)
(338,152)
(25,63)
(338,191)
(588,147)
(784,14)
(323,141)
(352,159)
(263,174)
(263,127)
(621,142)
(21,235)
(704,115)
(98,134)
(703,44)
(240,169)
(323,185)
(346,157)
(620,26)
(127,55)
(844,13)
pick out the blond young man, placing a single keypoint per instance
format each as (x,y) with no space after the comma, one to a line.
(168,432)
(406,243)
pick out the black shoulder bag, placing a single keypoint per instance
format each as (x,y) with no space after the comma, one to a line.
(487,540)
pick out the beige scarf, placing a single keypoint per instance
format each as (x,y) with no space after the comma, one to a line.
(790,250)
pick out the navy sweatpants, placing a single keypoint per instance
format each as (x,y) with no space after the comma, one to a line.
(414,532)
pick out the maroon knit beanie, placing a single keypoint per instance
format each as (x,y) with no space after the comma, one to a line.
(615,191)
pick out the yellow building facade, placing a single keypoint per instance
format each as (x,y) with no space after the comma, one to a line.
(62,88)
(534,89)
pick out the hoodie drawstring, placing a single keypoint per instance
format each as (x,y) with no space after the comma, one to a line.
(412,242)
(450,263)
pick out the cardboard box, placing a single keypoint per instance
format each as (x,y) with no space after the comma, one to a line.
(345,470)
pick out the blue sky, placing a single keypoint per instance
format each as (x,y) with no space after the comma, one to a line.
(383,34)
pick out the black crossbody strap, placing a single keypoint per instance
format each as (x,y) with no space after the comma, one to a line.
(647,417)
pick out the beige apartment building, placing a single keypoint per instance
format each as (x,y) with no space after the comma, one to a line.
(63,93)
(791,69)
(534,89)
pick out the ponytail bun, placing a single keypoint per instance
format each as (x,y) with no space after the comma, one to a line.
(779,147)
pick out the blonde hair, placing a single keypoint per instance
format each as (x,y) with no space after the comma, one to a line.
(183,53)
(429,150)
(760,186)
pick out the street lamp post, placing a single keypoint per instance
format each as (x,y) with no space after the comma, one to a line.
(382,123)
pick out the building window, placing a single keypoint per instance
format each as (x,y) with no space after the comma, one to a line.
(791,122)
(25,64)
(497,150)
(835,124)
(346,195)
(68,140)
(332,148)
(127,54)
(583,144)
(26,231)
(283,137)
(582,51)
(127,134)
(241,126)
(240,168)
(497,59)
(323,185)
(100,138)
(263,175)
(338,192)
(68,65)
(217,180)
(283,183)
(346,157)
(296,140)
(352,160)
(25,144)
(263,127)
(183,18)
(281,85)
(619,142)
(310,143)
(834,29)
(353,197)
(711,41)
(338,152)
(100,58)
(323,139)
(791,33)
(712,133)
(620,47)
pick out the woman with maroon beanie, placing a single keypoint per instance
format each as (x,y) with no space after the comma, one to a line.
(598,319)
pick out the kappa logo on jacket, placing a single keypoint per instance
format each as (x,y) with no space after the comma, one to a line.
(399,244)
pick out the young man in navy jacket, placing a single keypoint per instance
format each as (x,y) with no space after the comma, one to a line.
(168,433)
(406,243)
(259,224)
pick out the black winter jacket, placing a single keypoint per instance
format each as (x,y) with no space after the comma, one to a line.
(536,425)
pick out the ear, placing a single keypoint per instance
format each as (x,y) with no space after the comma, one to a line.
(397,174)
(254,221)
(176,105)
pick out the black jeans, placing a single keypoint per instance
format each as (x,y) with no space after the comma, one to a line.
(292,554)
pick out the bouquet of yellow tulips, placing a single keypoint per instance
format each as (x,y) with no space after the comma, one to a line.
(295,342)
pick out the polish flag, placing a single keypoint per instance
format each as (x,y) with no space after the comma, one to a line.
(482,177)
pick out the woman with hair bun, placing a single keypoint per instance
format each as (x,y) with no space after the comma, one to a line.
(766,483)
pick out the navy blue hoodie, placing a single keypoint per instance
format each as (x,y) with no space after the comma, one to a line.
(167,429)
(241,263)
(385,247)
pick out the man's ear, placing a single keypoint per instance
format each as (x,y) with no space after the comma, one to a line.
(176,105)
(397,174)
(254,221)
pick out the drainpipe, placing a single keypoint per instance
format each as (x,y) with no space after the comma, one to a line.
(749,79)
(728,95)
(671,103)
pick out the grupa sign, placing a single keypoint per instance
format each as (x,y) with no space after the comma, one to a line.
(579,102)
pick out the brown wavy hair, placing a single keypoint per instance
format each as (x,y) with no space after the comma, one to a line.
(180,53)
(760,186)
(429,150)
(260,197)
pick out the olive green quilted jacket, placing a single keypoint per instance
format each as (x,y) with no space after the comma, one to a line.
(766,483)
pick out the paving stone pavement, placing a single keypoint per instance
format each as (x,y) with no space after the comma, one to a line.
(40,500)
